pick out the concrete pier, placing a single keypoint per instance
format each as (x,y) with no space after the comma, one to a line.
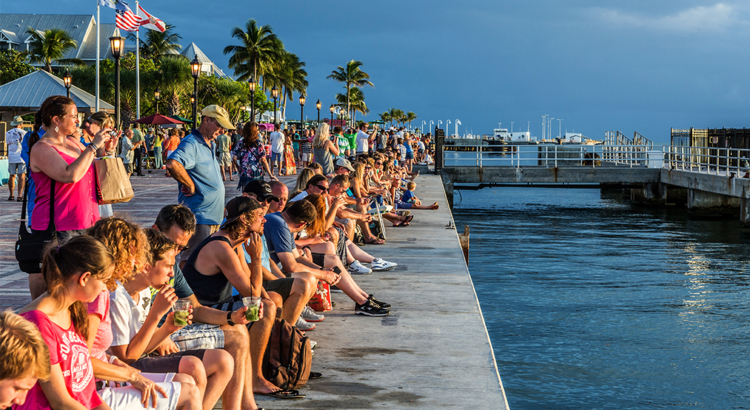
(432,352)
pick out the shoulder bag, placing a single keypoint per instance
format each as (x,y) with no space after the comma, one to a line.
(30,245)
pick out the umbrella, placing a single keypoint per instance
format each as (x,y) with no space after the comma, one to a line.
(266,127)
(178,118)
(157,119)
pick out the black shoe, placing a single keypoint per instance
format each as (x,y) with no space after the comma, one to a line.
(370,309)
(379,303)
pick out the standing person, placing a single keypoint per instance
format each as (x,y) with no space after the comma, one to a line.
(91,126)
(24,356)
(305,147)
(193,164)
(16,164)
(277,148)
(63,163)
(323,149)
(290,164)
(363,138)
(149,145)
(170,144)
(127,151)
(409,157)
(342,142)
(250,156)
(157,144)
(236,138)
(225,159)
(138,142)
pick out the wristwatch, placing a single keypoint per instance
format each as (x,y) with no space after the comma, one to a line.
(230,322)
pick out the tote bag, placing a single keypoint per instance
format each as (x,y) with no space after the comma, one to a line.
(112,182)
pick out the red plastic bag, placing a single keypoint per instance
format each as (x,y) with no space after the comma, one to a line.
(321,300)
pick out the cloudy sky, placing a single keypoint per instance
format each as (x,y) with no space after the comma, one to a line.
(629,65)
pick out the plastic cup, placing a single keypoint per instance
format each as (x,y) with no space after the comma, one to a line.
(253,311)
(181,312)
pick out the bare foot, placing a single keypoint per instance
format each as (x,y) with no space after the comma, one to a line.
(434,206)
(264,386)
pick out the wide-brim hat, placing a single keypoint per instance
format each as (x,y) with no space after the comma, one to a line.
(16,120)
(219,114)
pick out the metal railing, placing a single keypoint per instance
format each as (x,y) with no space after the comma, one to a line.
(709,160)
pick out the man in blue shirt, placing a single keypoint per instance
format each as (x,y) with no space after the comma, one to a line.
(193,164)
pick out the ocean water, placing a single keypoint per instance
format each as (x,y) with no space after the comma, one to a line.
(592,302)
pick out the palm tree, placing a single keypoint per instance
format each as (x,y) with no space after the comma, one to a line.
(255,55)
(410,116)
(158,44)
(385,117)
(357,100)
(174,79)
(51,46)
(352,75)
(288,75)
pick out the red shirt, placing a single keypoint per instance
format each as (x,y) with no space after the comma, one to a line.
(68,349)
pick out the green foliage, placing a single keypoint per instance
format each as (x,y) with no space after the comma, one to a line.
(255,55)
(13,65)
(154,44)
(51,46)
(353,76)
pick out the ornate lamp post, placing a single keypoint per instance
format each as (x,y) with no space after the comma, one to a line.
(275,94)
(317,104)
(68,80)
(333,108)
(195,70)
(302,111)
(251,83)
(116,43)
(157,96)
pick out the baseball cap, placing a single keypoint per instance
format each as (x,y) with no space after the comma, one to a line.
(342,162)
(219,114)
(261,189)
(238,206)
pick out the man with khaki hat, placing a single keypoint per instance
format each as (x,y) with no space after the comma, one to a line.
(16,164)
(193,164)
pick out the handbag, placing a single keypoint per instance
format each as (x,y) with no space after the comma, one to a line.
(30,245)
(112,183)
(321,300)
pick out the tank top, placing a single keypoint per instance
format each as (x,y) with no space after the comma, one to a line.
(323,157)
(209,290)
(75,205)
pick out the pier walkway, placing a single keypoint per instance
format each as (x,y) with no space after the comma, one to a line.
(432,352)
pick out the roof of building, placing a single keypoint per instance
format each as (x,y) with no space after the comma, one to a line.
(192,51)
(29,92)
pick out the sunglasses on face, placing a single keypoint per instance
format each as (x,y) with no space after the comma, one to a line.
(323,188)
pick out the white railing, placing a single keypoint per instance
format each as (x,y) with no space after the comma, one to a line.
(709,160)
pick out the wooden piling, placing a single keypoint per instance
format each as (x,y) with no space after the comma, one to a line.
(463,238)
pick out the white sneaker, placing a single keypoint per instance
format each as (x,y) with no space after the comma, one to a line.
(357,268)
(303,325)
(381,265)
(309,315)
(313,344)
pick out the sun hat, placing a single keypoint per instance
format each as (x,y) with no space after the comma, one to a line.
(16,120)
(219,114)
(261,189)
(238,206)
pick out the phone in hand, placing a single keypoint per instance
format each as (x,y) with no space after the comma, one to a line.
(336,270)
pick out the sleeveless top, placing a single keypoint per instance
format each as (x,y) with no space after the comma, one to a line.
(76,206)
(209,290)
(324,158)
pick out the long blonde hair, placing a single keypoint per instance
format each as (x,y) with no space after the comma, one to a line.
(321,136)
(302,179)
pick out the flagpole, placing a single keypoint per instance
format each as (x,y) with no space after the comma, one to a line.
(137,65)
(98,34)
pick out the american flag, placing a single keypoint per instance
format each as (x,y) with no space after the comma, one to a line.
(125,18)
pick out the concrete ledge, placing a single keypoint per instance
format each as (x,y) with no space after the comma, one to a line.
(581,174)
(717,184)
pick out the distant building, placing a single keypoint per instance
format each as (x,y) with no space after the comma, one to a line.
(207,66)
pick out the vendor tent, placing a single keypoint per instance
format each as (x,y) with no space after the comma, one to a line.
(157,119)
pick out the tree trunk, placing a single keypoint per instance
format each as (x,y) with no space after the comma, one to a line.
(173,105)
(348,106)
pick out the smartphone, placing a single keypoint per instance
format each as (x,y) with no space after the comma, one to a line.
(336,270)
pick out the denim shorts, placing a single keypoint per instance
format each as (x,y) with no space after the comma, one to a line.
(275,156)
(16,168)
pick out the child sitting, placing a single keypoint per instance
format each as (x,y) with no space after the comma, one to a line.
(409,201)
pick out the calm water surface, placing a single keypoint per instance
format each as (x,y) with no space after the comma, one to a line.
(593,303)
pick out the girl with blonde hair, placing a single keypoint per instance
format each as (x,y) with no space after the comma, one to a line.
(324,149)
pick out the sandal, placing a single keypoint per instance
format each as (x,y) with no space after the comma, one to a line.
(409,218)
(11,198)
(288,394)
(19,199)
(376,242)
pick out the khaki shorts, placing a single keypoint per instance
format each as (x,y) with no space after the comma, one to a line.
(225,159)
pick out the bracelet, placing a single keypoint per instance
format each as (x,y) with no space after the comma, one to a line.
(94,146)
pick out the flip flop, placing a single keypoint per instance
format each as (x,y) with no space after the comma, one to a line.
(377,242)
(288,394)
(315,375)
(409,218)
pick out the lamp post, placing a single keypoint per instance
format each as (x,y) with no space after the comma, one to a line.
(157,96)
(302,111)
(251,83)
(330,124)
(116,43)
(275,94)
(317,104)
(195,70)
(67,79)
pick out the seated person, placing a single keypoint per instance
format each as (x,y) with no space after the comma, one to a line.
(135,330)
(409,201)
(24,356)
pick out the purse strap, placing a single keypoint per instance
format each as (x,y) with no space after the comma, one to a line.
(51,224)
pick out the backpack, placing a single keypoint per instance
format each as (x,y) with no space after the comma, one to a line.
(359,238)
(288,356)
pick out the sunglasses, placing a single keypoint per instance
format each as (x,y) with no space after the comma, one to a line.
(323,188)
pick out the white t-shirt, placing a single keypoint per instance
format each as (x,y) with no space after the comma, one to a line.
(277,142)
(127,150)
(362,142)
(127,315)
(14,138)
(421,145)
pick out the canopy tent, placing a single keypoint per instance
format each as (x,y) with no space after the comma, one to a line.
(157,119)
(25,95)
(266,127)
(183,119)
(379,122)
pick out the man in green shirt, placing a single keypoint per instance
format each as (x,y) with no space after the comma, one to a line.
(138,143)
(223,145)
(344,148)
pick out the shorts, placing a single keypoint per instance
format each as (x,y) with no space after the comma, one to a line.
(319,259)
(225,159)
(165,364)
(421,151)
(129,397)
(281,286)
(306,156)
(128,168)
(15,168)
(410,155)
(199,336)
(201,232)
(403,205)
(276,156)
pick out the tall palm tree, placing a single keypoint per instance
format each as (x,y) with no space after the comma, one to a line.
(410,116)
(357,100)
(288,75)
(255,55)
(157,44)
(385,117)
(352,76)
(51,46)
(174,79)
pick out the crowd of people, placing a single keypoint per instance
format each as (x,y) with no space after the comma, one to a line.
(103,329)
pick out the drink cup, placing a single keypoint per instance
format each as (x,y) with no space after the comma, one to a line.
(181,312)
(253,308)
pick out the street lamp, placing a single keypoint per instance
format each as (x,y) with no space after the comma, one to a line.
(67,79)
(116,43)
(302,111)
(317,104)
(332,110)
(157,96)
(195,70)
(275,94)
(251,84)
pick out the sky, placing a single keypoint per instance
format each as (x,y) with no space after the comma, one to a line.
(600,66)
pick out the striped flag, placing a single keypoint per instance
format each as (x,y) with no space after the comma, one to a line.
(125,18)
(150,22)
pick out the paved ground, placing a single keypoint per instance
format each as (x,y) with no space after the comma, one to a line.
(432,352)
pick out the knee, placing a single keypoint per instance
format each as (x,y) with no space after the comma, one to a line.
(184,379)
(309,283)
(193,367)
(236,340)
(330,248)
(276,298)
(221,360)
(269,310)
